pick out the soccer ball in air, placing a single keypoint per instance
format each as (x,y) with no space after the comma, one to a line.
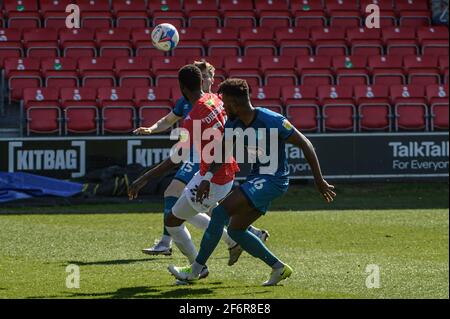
(165,37)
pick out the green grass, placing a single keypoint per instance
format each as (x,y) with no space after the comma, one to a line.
(402,228)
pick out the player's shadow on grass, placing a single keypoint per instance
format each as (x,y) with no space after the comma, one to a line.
(112,262)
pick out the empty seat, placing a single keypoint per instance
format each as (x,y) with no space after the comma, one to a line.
(41,42)
(239,19)
(273,13)
(308,13)
(130,14)
(329,41)
(400,40)
(222,41)
(133,72)
(153,103)
(437,97)
(236,5)
(364,41)
(351,70)
(422,69)
(114,42)
(387,69)
(77,42)
(41,110)
(314,70)
(59,72)
(302,108)
(434,40)
(293,41)
(164,5)
(80,108)
(117,109)
(345,19)
(96,19)
(258,41)
(374,107)
(204,19)
(246,67)
(97,72)
(141,39)
(10,44)
(191,43)
(21,73)
(341,5)
(410,5)
(338,109)
(20,5)
(279,71)
(54,13)
(415,18)
(411,111)
(176,18)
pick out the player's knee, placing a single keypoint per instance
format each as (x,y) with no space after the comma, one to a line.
(174,189)
(170,220)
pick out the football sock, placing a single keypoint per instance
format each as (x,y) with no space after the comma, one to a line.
(253,245)
(182,238)
(169,202)
(196,268)
(212,235)
(166,240)
(202,220)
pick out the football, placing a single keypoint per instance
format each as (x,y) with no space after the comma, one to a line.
(165,37)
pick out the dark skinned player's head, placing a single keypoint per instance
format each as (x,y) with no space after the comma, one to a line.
(190,79)
(235,96)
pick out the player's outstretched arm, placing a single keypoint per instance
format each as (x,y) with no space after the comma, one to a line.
(162,125)
(307,147)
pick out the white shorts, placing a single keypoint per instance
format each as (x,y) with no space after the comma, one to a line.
(186,206)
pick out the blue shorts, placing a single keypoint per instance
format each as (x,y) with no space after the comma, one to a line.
(187,171)
(263,189)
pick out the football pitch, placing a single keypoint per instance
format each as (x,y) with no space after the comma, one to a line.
(374,241)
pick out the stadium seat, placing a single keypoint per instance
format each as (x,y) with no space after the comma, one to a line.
(422,69)
(239,19)
(166,69)
(374,109)
(133,72)
(273,13)
(21,73)
(80,109)
(54,13)
(204,19)
(152,103)
(387,69)
(142,42)
(434,40)
(96,19)
(302,109)
(130,14)
(114,42)
(117,109)
(329,41)
(411,112)
(41,109)
(164,5)
(235,5)
(20,6)
(437,97)
(410,5)
(222,41)
(24,20)
(308,13)
(293,41)
(338,109)
(59,72)
(278,71)
(341,5)
(414,18)
(176,18)
(314,70)
(351,70)
(258,41)
(400,40)
(97,72)
(345,19)
(267,97)
(77,43)
(191,43)
(382,4)
(364,41)
(41,42)
(10,44)
(246,67)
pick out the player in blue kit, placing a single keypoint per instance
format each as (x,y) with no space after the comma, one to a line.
(266,182)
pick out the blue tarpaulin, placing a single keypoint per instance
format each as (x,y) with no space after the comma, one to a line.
(23,185)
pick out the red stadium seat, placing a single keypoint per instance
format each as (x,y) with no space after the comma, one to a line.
(164,5)
(22,73)
(437,97)
(41,109)
(279,71)
(341,5)
(400,40)
(142,42)
(382,4)
(130,14)
(204,19)
(374,107)
(293,41)
(345,19)
(411,111)
(152,103)
(77,42)
(267,96)
(338,108)
(410,5)
(244,67)
(80,108)
(329,41)
(274,19)
(422,69)
(314,70)
(41,42)
(387,69)
(10,44)
(114,42)
(97,72)
(200,5)
(236,5)
(308,13)
(176,18)
(239,19)
(20,6)
(118,110)
(59,72)
(258,41)
(133,72)
(129,5)
(364,41)
(54,13)
(96,19)
(271,5)
(443,63)
(415,18)
(166,69)
(191,43)
(222,41)
(351,70)
(302,109)
(94,5)
(24,20)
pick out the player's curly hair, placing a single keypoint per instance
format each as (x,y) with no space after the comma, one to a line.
(190,77)
(205,65)
(237,88)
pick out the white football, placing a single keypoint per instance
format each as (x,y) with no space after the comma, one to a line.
(165,37)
